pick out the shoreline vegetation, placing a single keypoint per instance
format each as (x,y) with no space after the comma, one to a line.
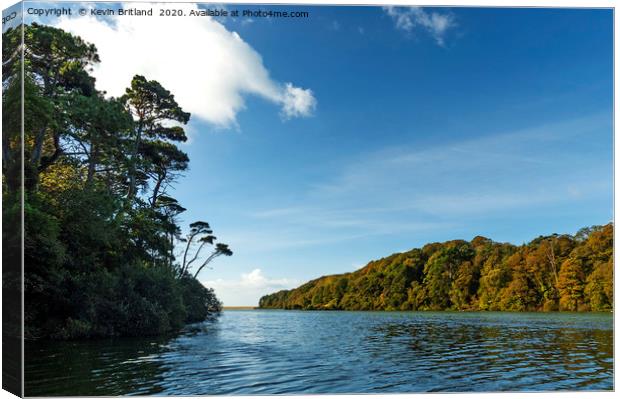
(551,273)
(100,223)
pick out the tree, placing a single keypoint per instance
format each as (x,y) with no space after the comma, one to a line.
(196,230)
(599,288)
(99,127)
(220,249)
(465,285)
(496,274)
(153,108)
(165,161)
(571,285)
(200,232)
(170,209)
(56,65)
(441,270)
(519,295)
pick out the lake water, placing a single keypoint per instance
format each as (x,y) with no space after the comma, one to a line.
(304,352)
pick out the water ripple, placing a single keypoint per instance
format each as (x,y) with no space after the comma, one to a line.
(290,352)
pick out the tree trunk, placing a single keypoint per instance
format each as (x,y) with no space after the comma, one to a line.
(131,192)
(160,180)
(35,156)
(92,163)
(209,259)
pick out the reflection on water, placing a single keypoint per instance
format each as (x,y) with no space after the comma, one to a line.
(289,352)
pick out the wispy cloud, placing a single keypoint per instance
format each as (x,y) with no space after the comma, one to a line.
(312,225)
(409,18)
(408,189)
(210,72)
(484,162)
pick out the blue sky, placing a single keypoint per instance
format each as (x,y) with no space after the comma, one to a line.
(403,127)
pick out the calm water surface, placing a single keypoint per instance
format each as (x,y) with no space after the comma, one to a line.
(295,352)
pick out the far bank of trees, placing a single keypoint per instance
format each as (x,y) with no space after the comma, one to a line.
(100,222)
(557,272)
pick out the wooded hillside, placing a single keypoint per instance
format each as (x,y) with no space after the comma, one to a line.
(557,272)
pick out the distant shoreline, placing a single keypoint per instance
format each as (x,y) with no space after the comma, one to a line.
(239,307)
(550,273)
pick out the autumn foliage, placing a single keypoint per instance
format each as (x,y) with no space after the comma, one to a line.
(557,272)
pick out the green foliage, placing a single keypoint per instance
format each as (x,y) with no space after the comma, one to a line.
(85,279)
(100,227)
(599,289)
(441,272)
(565,272)
(200,302)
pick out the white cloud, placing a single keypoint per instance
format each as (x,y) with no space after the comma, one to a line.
(248,289)
(297,102)
(408,18)
(208,68)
